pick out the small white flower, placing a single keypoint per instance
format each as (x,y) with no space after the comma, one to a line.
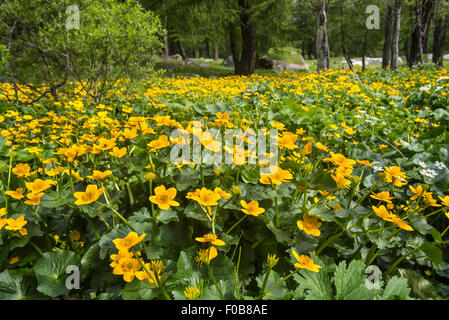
(428,173)
(440,165)
(422,164)
(378,169)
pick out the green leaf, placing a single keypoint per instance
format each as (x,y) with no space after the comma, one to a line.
(167,216)
(396,287)
(50,271)
(316,285)
(140,290)
(421,287)
(88,259)
(11,286)
(350,282)
(278,293)
(432,252)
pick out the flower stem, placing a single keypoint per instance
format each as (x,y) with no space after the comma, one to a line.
(277,284)
(215,281)
(264,285)
(236,224)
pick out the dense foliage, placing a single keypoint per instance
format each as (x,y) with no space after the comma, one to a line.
(362,181)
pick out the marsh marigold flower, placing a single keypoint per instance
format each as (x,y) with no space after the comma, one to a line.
(34,199)
(395,175)
(164,197)
(17,225)
(192,293)
(127,267)
(160,143)
(206,255)
(211,238)
(39,185)
(205,197)
(309,225)
(100,175)
(251,208)
(22,170)
(129,241)
(91,194)
(118,152)
(305,262)
(276,176)
(17,194)
(382,196)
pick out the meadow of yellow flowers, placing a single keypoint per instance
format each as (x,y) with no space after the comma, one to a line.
(360,179)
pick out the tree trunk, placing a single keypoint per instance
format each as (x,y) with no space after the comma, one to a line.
(387,42)
(416,48)
(166,49)
(396,32)
(439,37)
(206,48)
(322,44)
(181,50)
(216,55)
(246,64)
(365,40)
(424,11)
(429,8)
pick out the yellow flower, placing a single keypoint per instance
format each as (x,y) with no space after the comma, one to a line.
(419,190)
(164,197)
(160,143)
(307,148)
(287,141)
(105,144)
(91,194)
(305,262)
(127,267)
(54,171)
(223,194)
(340,160)
(251,208)
(276,176)
(34,199)
(382,196)
(22,170)
(204,197)
(277,125)
(321,147)
(39,185)
(192,293)
(13,260)
(211,238)
(143,275)
(445,201)
(364,162)
(34,150)
(120,255)
(309,225)
(401,224)
(129,241)
(17,225)
(75,235)
(17,194)
(236,190)
(206,255)
(99,175)
(383,213)
(395,175)
(118,153)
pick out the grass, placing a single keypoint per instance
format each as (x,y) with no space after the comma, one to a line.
(174,68)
